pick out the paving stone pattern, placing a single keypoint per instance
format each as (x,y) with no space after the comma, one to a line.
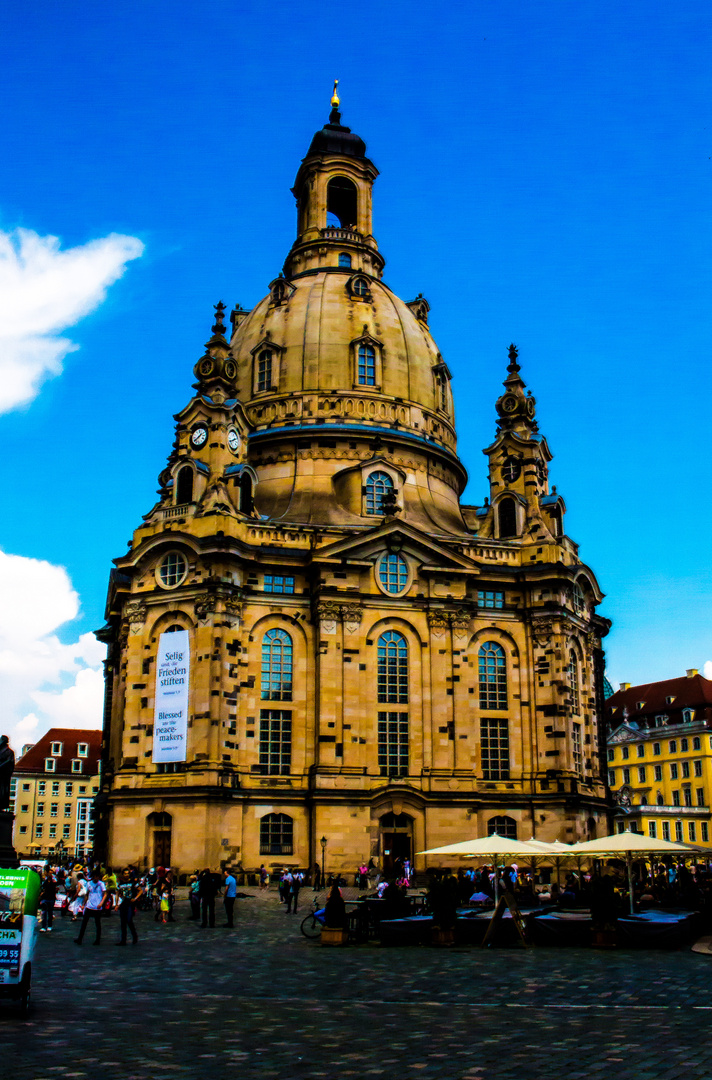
(260,1001)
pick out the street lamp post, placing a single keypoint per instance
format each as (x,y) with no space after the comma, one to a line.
(323,856)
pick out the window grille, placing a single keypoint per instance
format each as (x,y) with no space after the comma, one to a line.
(494,748)
(493,676)
(275,749)
(393,743)
(277,663)
(393,573)
(276,835)
(392,668)
(377,484)
(264,371)
(502,826)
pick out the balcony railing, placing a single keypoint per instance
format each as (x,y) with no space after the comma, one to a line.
(653,810)
(335,232)
(177,511)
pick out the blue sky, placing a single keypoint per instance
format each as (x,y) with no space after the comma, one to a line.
(544,179)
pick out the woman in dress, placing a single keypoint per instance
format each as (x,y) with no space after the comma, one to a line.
(78,900)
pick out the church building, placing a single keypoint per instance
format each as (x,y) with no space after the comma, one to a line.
(313,645)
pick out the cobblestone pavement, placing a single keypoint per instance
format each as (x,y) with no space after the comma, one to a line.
(262,1001)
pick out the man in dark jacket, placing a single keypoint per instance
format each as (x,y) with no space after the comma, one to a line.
(206,892)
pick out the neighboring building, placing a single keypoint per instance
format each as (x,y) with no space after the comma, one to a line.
(363,658)
(660,758)
(52,792)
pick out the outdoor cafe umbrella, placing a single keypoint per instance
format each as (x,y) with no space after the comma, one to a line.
(490,845)
(555,849)
(628,845)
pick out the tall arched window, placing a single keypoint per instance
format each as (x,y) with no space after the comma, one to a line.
(502,826)
(366,365)
(578,598)
(341,201)
(377,484)
(574,681)
(276,834)
(184,487)
(277,660)
(507,517)
(344,259)
(493,676)
(392,668)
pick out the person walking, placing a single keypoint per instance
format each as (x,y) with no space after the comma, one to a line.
(96,890)
(285,890)
(129,893)
(194,897)
(297,879)
(48,895)
(229,896)
(317,877)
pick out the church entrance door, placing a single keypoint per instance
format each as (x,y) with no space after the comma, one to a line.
(396,842)
(161,848)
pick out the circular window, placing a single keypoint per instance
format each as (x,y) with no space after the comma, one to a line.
(172,570)
(393,573)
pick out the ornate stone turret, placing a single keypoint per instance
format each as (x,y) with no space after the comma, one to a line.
(515,408)
(216,370)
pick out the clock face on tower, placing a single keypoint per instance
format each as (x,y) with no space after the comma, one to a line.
(511,470)
(509,403)
(233,439)
(199,436)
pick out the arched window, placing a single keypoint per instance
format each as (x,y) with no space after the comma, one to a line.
(263,380)
(578,598)
(377,484)
(502,826)
(184,487)
(246,500)
(574,681)
(172,570)
(366,365)
(342,202)
(556,525)
(174,628)
(659,799)
(392,668)
(493,676)
(507,517)
(276,834)
(393,573)
(359,287)
(345,260)
(277,659)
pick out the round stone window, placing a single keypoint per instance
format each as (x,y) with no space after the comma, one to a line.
(172,570)
(392,573)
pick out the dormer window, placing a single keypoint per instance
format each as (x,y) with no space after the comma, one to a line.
(366,365)
(49,764)
(77,766)
(56,749)
(377,484)
(82,749)
(669,699)
(639,704)
(344,260)
(263,374)
(688,715)
(358,287)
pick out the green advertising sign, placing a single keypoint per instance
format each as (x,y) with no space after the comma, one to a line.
(19,895)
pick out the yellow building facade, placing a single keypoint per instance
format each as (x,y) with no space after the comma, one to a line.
(363,660)
(52,794)
(660,758)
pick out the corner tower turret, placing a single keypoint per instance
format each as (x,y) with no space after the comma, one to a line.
(333,189)
(522,506)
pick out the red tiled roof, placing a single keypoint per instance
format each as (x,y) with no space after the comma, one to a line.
(688,692)
(34,760)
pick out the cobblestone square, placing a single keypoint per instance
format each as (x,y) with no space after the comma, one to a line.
(262,1001)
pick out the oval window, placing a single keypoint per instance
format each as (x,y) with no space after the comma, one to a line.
(393,573)
(172,570)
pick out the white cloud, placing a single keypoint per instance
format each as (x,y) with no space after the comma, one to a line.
(707,669)
(44,682)
(44,290)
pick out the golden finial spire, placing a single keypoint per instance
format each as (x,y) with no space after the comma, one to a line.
(335,97)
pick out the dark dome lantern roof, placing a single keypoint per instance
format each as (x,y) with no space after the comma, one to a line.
(334,138)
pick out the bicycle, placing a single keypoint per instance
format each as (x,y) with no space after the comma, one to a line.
(313,923)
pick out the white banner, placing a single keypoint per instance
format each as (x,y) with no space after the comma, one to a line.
(170,721)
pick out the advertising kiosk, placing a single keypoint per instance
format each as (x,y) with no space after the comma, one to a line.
(19,896)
